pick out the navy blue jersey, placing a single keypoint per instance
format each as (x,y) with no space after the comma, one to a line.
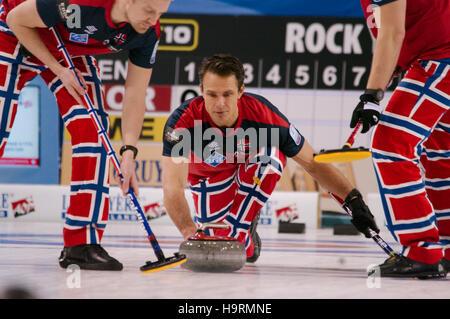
(189,132)
(86,29)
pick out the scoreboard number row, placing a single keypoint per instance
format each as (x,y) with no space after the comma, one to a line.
(290,74)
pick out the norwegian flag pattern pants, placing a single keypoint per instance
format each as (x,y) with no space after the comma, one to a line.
(411,156)
(236,197)
(89,204)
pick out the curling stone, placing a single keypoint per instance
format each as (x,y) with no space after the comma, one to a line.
(212,253)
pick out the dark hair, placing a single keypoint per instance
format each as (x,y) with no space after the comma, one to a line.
(223,65)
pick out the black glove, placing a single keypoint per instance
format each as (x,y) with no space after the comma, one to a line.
(367,111)
(362,217)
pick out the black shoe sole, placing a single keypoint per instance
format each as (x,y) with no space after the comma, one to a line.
(398,266)
(423,275)
(99,266)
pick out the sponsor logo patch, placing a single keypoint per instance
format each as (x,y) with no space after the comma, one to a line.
(79,38)
(215,159)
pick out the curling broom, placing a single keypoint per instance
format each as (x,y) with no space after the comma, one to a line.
(162,262)
(345,154)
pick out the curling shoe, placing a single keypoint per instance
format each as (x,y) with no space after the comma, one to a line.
(90,257)
(404,267)
(256,241)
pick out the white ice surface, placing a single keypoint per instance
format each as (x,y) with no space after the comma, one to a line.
(313,265)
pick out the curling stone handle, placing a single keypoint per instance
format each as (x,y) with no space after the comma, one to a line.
(212,225)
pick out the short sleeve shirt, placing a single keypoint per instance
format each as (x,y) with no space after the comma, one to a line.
(189,132)
(87,29)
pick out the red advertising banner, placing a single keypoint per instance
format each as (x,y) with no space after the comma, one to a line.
(158,98)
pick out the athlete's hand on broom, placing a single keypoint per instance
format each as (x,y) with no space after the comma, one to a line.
(367,111)
(128,168)
(362,218)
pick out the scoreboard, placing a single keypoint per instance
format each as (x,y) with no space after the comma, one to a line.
(277,52)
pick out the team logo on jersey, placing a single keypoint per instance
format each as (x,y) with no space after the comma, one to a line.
(79,38)
(215,159)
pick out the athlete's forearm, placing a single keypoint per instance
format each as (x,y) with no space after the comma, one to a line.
(328,176)
(174,177)
(22,21)
(331,179)
(132,117)
(133,109)
(178,210)
(384,62)
(29,37)
(391,32)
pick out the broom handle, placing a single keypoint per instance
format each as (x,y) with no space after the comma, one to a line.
(351,139)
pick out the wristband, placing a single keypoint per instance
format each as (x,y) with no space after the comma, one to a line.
(376,94)
(129,147)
